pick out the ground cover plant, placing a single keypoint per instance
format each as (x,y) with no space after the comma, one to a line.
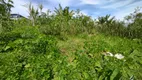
(68,45)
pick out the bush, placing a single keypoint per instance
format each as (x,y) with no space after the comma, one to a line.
(28,39)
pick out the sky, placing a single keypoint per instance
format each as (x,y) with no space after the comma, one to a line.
(93,8)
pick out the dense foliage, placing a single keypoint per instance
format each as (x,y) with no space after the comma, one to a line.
(5,8)
(131,28)
(67,45)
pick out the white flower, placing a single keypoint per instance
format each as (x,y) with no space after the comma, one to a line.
(119,56)
(109,54)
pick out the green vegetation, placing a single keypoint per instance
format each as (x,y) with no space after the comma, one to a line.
(68,45)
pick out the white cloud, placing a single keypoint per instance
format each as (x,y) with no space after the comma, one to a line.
(19,8)
(96,2)
(62,2)
(90,2)
(117,4)
(111,5)
(121,13)
(84,12)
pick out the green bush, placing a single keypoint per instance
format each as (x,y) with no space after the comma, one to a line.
(131,28)
(38,57)
(28,39)
(96,46)
(24,65)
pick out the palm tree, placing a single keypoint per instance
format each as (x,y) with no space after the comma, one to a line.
(40,7)
(106,19)
(5,7)
(64,12)
(33,13)
(68,13)
(59,11)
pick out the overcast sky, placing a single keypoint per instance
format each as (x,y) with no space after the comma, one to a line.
(94,8)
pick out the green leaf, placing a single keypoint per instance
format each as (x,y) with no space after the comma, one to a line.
(86,75)
(6,48)
(28,65)
(114,74)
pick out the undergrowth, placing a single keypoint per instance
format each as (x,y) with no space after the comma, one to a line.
(29,54)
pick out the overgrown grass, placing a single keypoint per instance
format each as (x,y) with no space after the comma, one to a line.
(30,54)
(87,50)
(68,47)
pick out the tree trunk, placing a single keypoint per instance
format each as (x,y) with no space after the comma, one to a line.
(33,22)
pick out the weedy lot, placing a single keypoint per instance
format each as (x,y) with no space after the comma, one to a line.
(69,45)
(77,57)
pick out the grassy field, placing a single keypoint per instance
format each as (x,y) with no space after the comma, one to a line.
(28,54)
(68,45)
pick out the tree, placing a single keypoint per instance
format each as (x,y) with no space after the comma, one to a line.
(59,11)
(135,26)
(5,8)
(68,13)
(33,13)
(106,24)
(64,12)
(40,7)
(106,19)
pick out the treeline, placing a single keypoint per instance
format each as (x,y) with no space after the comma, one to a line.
(64,21)
(131,27)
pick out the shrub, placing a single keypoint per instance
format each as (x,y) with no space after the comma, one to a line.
(28,39)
